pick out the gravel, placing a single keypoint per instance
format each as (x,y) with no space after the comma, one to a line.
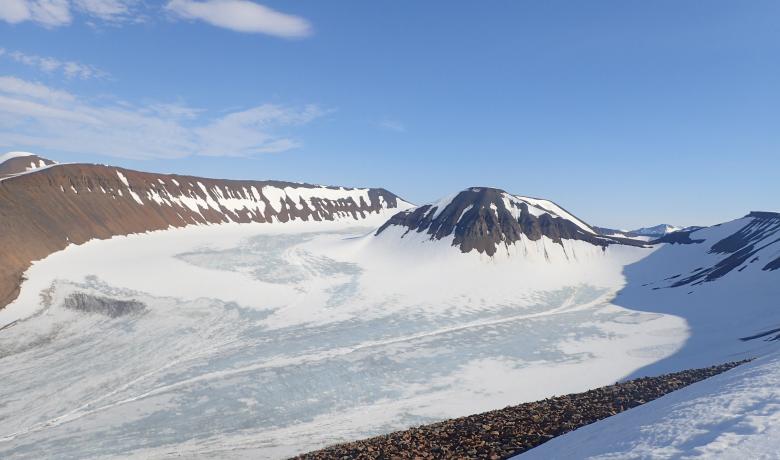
(510,431)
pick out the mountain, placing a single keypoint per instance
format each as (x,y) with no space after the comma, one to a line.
(44,207)
(484,219)
(646,233)
(756,241)
(13,163)
(252,337)
(721,280)
(656,231)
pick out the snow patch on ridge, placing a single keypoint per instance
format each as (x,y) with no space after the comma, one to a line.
(554,210)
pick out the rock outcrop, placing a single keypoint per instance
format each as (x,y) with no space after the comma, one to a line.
(483,218)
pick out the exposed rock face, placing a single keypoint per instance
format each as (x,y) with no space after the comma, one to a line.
(113,308)
(43,211)
(483,218)
(17,163)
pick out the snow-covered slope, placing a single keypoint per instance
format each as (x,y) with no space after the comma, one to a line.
(723,280)
(252,340)
(656,231)
(489,220)
(262,341)
(644,233)
(735,415)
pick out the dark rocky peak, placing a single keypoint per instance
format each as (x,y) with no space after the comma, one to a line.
(484,218)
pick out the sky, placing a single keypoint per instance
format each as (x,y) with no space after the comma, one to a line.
(627,113)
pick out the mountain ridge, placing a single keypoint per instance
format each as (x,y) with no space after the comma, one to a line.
(44,210)
(656,231)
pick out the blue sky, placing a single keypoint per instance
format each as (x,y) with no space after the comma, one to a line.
(627,113)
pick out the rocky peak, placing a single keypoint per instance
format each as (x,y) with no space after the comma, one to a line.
(483,218)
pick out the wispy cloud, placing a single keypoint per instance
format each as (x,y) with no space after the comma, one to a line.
(19,87)
(242,16)
(392,125)
(237,15)
(49,13)
(109,10)
(69,69)
(37,116)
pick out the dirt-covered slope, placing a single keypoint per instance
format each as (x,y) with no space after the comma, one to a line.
(20,162)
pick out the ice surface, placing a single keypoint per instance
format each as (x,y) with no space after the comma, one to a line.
(261,341)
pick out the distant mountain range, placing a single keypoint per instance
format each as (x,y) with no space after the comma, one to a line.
(45,206)
(518,285)
(653,232)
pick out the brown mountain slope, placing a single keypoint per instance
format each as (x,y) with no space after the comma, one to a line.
(21,164)
(44,211)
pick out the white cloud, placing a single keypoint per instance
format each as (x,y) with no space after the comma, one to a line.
(13,85)
(392,125)
(49,13)
(36,116)
(14,11)
(70,69)
(238,15)
(54,13)
(247,131)
(242,16)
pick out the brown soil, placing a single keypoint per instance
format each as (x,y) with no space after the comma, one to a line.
(506,432)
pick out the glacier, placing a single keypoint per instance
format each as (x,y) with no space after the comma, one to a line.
(264,341)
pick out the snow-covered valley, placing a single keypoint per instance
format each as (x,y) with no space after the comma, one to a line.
(264,340)
(261,341)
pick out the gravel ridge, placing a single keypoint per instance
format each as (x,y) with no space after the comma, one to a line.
(503,433)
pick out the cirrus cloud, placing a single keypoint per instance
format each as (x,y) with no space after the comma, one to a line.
(238,15)
(33,115)
(49,13)
(55,13)
(242,16)
(69,69)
